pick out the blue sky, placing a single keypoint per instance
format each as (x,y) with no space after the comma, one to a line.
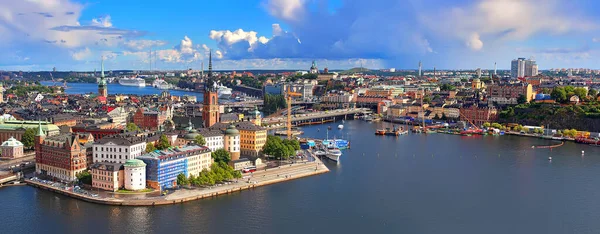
(289,34)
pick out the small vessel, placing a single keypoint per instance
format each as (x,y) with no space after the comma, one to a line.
(340,126)
(380,132)
(320,153)
(369,118)
(132,81)
(161,84)
(336,144)
(334,154)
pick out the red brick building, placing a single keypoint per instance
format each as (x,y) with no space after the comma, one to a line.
(97,132)
(210,108)
(150,120)
(61,157)
(478,115)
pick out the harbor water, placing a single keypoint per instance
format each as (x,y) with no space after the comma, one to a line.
(434,183)
(115,88)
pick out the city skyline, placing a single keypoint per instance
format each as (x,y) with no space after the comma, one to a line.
(290,34)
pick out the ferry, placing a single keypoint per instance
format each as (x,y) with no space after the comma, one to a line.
(133,81)
(334,154)
(161,84)
(223,91)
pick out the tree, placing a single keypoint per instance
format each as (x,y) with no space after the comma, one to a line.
(150,147)
(486,125)
(221,155)
(496,125)
(200,140)
(593,93)
(182,180)
(84,177)
(132,127)
(163,143)
(559,94)
(522,99)
(28,138)
(580,92)
(426,100)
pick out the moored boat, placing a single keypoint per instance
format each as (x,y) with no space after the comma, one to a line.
(334,154)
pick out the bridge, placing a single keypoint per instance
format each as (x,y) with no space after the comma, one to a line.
(315,118)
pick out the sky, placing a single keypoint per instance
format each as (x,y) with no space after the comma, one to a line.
(73,35)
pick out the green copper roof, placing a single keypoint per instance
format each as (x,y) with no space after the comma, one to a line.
(232,131)
(40,131)
(134,163)
(12,142)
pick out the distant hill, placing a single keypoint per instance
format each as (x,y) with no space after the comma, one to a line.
(356,70)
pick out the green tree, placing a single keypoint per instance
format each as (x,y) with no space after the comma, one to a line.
(427,100)
(28,138)
(150,147)
(132,127)
(486,125)
(559,94)
(200,140)
(522,99)
(497,126)
(221,155)
(593,93)
(163,143)
(580,92)
(84,177)
(182,180)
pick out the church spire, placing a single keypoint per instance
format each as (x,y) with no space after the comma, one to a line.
(102,71)
(40,131)
(210,63)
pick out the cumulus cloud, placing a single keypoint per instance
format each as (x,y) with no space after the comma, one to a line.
(184,52)
(104,22)
(139,45)
(292,10)
(81,54)
(505,20)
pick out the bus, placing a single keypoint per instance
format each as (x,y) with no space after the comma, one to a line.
(249,169)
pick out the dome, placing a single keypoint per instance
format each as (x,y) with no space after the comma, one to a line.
(232,131)
(135,163)
(12,142)
(191,136)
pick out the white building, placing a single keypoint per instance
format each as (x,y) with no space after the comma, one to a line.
(135,174)
(118,148)
(198,161)
(119,116)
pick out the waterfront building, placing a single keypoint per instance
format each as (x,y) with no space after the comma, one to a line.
(452,111)
(240,164)
(135,174)
(509,93)
(107,176)
(215,139)
(478,114)
(16,128)
(163,166)
(60,156)
(118,148)
(232,142)
(396,110)
(12,148)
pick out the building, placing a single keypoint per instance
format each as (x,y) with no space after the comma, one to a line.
(96,131)
(118,148)
(313,68)
(118,116)
(107,176)
(102,84)
(1,93)
(149,120)
(232,142)
(135,174)
(477,84)
(16,128)
(60,156)
(12,148)
(240,164)
(478,114)
(531,68)
(210,109)
(508,94)
(163,167)
(199,161)
(522,67)
(252,138)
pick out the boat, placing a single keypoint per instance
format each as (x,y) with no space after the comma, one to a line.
(161,84)
(340,127)
(380,132)
(334,154)
(320,153)
(223,91)
(132,81)
(395,131)
(336,144)
(368,118)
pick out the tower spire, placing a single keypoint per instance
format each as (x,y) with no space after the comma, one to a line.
(210,63)
(102,72)
(40,131)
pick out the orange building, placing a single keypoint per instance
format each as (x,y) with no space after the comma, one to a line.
(210,109)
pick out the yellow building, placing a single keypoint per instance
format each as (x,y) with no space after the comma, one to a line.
(477,84)
(252,138)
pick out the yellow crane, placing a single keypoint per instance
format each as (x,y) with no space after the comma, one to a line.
(289,95)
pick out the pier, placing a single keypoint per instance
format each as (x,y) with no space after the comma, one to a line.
(315,118)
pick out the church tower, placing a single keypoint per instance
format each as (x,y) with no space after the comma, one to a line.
(38,140)
(210,107)
(102,86)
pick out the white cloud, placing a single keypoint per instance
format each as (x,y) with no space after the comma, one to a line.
(81,54)
(505,20)
(139,45)
(596,39)
(277,31)
(185,52)
(291,10)
(226,38)
(474,42)
(102,22)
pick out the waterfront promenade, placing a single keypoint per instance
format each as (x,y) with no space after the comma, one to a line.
(249,181)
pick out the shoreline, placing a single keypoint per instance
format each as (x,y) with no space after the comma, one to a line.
(182,196)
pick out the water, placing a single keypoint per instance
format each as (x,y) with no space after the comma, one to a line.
(436,184)
(82,88)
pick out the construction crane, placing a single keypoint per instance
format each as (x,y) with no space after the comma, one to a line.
(289,95)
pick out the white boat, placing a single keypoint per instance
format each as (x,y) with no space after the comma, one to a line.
(133,81)
(340,127)
(161,84)
(334,154)
(223,91)
(320,153)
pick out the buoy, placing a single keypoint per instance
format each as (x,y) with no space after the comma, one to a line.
(550,158)
(582,152)
(533,146)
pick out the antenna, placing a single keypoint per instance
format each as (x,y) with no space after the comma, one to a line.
(495,68)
